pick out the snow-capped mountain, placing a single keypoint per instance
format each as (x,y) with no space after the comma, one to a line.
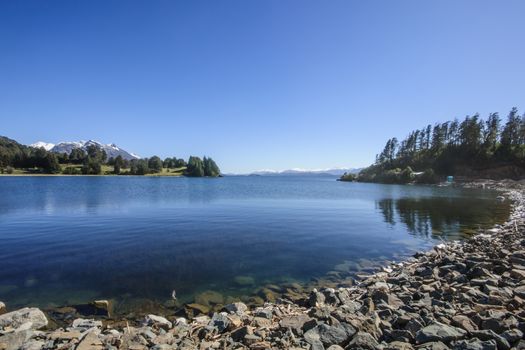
(111,150)
(44,145)
(298,171)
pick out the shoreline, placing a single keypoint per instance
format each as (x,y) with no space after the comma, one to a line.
(457,295)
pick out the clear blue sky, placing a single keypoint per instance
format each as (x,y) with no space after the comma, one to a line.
(254,84)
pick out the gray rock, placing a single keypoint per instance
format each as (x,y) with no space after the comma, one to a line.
(158,321)
(15,340)
(220,321)
(439,332)
(313,338)
(163,347)
(82,324)
(512,335)
(239,334)
(397,345)
(493,324)
(33,345)
(294,322)
(236,308)
(476,344)
(335,347)
(264,313)
(31,318)
(363,340)
(328,335)
(502,343)
(464,322)
(316,298)
(434,345)
(90,341)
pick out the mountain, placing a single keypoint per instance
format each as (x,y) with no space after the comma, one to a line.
(297,171)
(44,145)
(111,150)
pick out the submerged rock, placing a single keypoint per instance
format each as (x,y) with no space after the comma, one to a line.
(244,281)
(209,298)
(195,309)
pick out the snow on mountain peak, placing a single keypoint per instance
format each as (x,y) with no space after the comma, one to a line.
(44,145)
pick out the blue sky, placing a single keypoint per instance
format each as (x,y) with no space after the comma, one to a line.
(254,84)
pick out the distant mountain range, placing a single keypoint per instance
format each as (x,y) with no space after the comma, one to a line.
(328,171)
(111,150)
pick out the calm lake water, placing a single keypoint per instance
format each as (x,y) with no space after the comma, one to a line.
(70,240)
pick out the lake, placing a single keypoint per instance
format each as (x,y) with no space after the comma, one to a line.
(70,240)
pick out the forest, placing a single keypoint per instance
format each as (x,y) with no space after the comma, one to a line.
(471,148)
(16,158)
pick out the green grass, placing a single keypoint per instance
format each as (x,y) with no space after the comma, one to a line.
(170,172)
(106,170)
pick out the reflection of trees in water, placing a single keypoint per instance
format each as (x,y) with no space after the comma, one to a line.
(442,215)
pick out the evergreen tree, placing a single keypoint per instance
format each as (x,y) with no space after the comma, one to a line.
(195,167)
(118,164)
(155,164)
(210,167)
(492,129)
(139,167)
(77,156)
(51,164)
(510,136)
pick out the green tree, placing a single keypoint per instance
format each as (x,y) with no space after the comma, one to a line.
(167,163)
(470,134)
(91,166)
(492,129)
(195,167)
(97,153)
(407,175)
(180,163)
(139,167)
(210,167)
(155,164)
(118,164)
(51,164)
(77,156)
(510,136)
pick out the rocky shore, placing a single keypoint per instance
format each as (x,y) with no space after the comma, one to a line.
(459,295)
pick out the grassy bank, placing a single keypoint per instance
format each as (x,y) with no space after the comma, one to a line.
(107,170)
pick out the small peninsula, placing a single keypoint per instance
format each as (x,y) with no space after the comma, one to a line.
(91,158)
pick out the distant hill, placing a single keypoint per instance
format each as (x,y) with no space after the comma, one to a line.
(329,171)
(111,150)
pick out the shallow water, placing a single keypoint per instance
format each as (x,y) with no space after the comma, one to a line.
(70,240)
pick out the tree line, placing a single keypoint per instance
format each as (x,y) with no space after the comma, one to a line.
(466,147)
(14,155)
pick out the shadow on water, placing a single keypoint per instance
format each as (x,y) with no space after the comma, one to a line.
(442,217)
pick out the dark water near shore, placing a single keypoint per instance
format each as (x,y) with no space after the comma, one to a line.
(69,240)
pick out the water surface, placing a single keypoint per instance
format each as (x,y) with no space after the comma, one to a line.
(69,240)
